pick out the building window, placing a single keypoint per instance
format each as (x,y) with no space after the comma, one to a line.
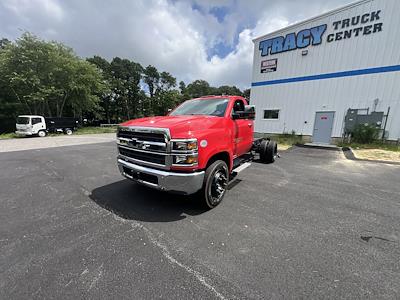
(271,114)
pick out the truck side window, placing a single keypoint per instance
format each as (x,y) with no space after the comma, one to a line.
(36,121)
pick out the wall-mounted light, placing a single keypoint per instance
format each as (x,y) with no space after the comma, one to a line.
(304,52)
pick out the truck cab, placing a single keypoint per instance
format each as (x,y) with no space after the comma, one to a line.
(31,125)
(194,149)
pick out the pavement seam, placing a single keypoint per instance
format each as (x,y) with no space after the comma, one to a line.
(167,254)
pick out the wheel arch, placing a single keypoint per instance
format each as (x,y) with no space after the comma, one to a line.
(223,155)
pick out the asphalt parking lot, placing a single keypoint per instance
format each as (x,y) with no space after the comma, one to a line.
(311,225)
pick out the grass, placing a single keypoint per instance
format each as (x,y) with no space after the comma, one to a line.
(82,130)
(375,145)
(285,141)
(377,154)
(8,136)
(375,151)
(95,130)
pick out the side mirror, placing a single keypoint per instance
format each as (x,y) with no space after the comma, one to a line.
(236,116)
(250,112)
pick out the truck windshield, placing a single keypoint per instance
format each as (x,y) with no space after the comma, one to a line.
(23,120)
(210,107)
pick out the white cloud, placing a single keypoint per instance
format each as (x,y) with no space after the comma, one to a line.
(44,8)
(236,66)
(168,34)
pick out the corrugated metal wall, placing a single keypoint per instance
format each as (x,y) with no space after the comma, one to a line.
(299,101)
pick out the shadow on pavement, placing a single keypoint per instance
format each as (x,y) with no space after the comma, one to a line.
(135,202)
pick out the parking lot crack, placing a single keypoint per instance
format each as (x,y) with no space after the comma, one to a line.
(97,277)
(369,237)
(166,253)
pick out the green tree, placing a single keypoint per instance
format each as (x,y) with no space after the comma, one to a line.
(228,90)
(167,100)
(47,77)
(161,89)
(151,78)
(125,82)
(125,101)
(182,87)
(246,94)
(365,133)
(166,83)
(107,102)
(166,97)
(102,64)
(4,42)
(198,88)
(87,84)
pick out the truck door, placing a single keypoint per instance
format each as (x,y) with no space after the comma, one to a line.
(243,130)
(38,124)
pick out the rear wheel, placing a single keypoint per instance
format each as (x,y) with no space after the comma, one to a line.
(215,183)
(42,133)
(268,151)
(68,131)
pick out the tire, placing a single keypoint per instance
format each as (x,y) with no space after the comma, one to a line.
(268,151)
(68,131)
(215,184)
(42,133)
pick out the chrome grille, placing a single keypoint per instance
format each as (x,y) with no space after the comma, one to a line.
(144,145)
(142,155)
(142,136)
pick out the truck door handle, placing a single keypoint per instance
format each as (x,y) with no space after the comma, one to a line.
(250,125)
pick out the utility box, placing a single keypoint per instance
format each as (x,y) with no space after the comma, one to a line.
(353,118)
(350,120)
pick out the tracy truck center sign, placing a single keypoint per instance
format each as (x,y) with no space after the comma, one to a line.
(366,24)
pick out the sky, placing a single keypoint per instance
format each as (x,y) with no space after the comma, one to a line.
(193,39)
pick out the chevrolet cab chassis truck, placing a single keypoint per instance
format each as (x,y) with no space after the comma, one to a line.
(196,149)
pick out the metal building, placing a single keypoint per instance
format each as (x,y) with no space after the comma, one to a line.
(307,76)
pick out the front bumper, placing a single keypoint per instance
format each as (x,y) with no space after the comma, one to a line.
(18,132)
(183,183)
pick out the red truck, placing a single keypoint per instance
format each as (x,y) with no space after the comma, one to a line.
(197,148)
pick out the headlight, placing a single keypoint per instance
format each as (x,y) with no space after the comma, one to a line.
(185,159)
(190,145)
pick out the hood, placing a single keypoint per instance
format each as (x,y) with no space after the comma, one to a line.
(179,126)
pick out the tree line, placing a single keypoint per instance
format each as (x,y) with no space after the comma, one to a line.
(47,78)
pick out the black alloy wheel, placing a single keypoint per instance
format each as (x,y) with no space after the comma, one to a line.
(215,183)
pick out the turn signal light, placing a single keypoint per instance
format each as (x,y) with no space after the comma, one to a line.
(185,160)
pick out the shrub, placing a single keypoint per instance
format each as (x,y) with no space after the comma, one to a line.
(365,134)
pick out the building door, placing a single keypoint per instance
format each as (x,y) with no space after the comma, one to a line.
(323,127)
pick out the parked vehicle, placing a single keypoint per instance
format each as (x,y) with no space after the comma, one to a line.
(197,148)
(30,125)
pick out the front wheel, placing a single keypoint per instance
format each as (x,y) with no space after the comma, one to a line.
(68,131)
(215,183)
(42,133)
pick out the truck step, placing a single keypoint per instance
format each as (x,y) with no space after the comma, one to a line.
(242,167)
(238,161)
